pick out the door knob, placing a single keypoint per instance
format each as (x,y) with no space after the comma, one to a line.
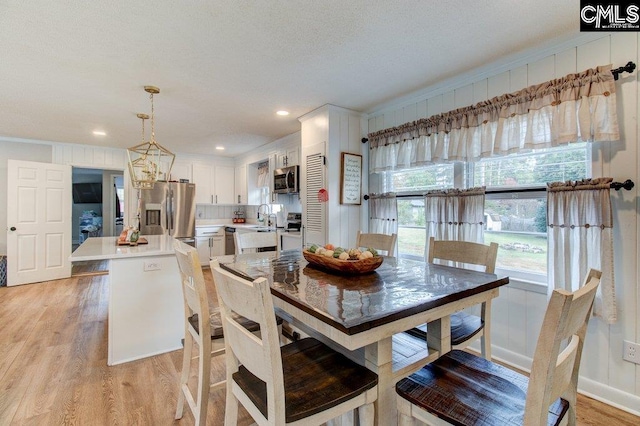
(13,228)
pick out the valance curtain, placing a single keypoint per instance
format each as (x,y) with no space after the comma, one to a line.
(577,107)
(383,211)
(263,174)
(455,214)
(581,237)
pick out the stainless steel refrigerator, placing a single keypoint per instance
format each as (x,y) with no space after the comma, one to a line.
(169,208)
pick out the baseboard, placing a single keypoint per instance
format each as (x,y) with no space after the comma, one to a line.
(588,387)
(608,395)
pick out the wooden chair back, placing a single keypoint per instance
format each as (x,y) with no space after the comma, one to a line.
(461,388)
(193,288)
(195,302)
(256,240)
(464,252)
(554,372)
(259,355)
(383,242)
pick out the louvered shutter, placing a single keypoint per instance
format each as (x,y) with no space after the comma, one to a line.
(315,211)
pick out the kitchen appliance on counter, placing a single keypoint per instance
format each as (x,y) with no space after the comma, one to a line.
(294,222)
(169,208)
(285,180)
(238,216)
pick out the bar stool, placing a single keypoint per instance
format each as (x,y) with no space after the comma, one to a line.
(203,327)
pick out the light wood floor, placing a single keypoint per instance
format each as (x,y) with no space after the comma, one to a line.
(53,366)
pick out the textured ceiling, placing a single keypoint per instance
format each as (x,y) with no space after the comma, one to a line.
(224,67)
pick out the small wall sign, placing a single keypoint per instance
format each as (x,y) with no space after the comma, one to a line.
(351,179)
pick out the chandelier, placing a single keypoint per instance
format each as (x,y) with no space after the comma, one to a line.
(149,161)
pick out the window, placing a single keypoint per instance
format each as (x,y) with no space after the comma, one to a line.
(412,234)
(517,220)
(533,169)
(438,176)
(515,204)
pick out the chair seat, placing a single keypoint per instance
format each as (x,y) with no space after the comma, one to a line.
(316,378)
(463,327)
(216,324)
(465,389)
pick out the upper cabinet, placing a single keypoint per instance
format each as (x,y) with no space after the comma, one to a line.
(241,184)
(181,170)
(223,185)
(287,158)
(214,184)
(203,178)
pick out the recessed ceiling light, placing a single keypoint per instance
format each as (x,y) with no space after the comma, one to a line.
(220,148)
(99,133)
(282,112)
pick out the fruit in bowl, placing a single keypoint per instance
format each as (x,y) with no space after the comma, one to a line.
(348,261)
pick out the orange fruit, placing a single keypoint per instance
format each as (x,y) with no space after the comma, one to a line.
(329,246)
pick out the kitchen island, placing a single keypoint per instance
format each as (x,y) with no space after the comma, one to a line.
(146,309)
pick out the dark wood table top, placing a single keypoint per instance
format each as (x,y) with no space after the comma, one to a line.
(397,289)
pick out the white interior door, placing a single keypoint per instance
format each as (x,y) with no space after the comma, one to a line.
(38,222)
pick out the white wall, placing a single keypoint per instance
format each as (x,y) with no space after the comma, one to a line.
(518,313)
(16,151)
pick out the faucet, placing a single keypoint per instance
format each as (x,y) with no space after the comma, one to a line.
(268,211)
(273,223)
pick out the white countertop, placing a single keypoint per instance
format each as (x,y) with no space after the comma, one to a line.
(105,248)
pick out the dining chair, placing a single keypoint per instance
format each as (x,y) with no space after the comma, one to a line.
(304,382)
(461,388)
(254,241)
(465,327)
(207,334)
(383,242)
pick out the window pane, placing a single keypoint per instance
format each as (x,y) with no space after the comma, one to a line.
(411,228)
(431,177)
(533,169)
(519,226)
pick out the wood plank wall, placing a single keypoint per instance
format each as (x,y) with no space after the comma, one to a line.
(518,312)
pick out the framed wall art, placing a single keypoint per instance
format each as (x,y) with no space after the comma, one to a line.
(351,179)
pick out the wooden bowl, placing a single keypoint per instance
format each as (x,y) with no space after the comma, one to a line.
(349,267)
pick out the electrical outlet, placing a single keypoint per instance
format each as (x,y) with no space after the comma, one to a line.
(151,265)
(631,352)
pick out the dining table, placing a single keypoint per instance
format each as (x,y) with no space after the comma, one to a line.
(362,315)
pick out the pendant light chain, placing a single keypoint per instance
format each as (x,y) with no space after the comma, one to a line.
(153,133)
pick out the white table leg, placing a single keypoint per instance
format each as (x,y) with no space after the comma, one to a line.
(439,335)
(378,359)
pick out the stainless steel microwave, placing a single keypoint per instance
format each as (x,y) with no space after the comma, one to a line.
(286,180)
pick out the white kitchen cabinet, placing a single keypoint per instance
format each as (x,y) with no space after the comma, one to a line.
(241,184)
(181,170)
(203,178)
(214,184)
(209,243)
(287,158)
(223,184)
(273,161)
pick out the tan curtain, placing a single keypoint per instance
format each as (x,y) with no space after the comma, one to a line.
(581,237)
(577,107)
(263,174)
(383,210)
(455,214)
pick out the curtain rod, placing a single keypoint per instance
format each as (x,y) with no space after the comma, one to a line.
(627,184)
(627,68)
